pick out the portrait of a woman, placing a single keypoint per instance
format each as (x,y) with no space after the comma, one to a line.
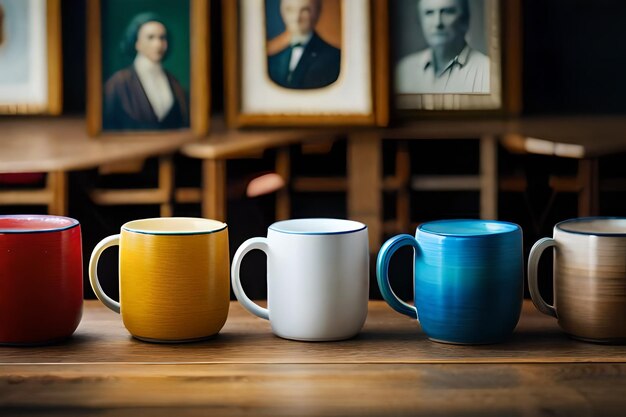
(144,95)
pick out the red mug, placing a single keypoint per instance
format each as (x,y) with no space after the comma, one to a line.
(41,278)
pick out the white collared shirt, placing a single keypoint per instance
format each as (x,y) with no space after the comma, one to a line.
(155,84)
(297,51)
(468,72)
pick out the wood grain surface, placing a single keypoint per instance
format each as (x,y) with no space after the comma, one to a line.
(323,389)
(390,369)
(62,144)
(387,337)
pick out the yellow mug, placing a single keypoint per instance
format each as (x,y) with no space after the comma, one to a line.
(173,277)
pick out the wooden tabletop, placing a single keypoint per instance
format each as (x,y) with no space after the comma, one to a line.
(564,136)
(61,144)
(572,136)
(567,136)
(226,143)
(49,144)
(389,369)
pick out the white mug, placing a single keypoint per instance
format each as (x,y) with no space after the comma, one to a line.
(318,278)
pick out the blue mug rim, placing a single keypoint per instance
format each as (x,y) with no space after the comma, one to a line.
(515,228)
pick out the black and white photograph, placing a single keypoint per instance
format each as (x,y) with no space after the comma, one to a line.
(446,47)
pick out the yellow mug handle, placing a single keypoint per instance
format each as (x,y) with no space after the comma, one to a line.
(93,271)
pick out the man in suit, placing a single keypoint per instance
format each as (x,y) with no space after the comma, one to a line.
(145,96)
(308,62)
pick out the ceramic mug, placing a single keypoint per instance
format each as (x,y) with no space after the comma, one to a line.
(41,278)
(589,278)
(173,277)
(317,278)
(468,279)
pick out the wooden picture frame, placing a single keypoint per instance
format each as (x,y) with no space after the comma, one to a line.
(503,33)
(48,85)
(199,75)
(235,96)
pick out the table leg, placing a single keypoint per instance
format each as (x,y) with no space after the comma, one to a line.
(364,167)
(283,200)
(57,183)
(588,178)
(214,189)
(488,178)
(403,198)
(166,185)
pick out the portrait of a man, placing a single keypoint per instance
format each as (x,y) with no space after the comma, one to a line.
(304,60)
(145,95)
(448,64)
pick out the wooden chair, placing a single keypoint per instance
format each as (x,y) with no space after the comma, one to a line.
(166,194)
(161,195)
(402,182)
(19,190)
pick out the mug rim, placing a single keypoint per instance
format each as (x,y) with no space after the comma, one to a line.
(128,226)
(559,226)
(516,227)
(72,223)
(358,226)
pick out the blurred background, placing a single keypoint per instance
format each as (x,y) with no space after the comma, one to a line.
(572,64)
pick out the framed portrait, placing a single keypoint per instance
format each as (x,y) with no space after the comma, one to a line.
(147,66)
(456,56)
(306,62)
(30,57)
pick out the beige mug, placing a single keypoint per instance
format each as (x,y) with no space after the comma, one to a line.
(589,278)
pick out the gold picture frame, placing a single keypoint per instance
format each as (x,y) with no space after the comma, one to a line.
(376,41)
(503,19)
(51,103)
(199,74)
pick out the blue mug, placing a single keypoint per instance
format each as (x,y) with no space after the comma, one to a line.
(469,279)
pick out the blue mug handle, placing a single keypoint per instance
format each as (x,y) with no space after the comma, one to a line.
(382,272)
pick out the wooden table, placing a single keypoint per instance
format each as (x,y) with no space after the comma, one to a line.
(365,171)
(223,144)
(59,145)
(585,138)
(364,183)
(389,369)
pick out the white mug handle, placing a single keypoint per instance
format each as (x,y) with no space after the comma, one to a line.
(533,285)
(259,243)
(93,271)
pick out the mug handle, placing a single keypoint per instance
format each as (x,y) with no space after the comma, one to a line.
(533,286)
(259,243)
(382,273)
(105,243)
